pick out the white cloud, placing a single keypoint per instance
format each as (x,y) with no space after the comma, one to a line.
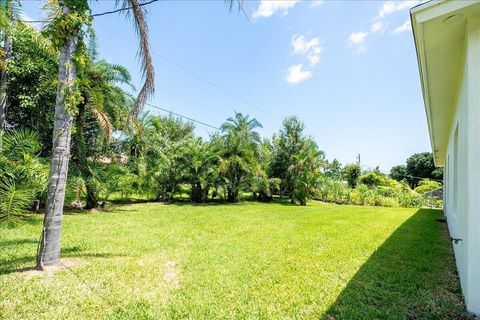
(390,7)
(295,74)
(357,40)
(309,48)
(378,26)
(316,3)
(267,8)
(407,25)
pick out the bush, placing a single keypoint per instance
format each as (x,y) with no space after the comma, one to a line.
(23,175)
(373,179)
(426,186)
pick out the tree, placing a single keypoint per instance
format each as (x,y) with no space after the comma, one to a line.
(286,146)
(200,160)
(67,34)
(103,109)
(352,172)
(8,15)
(167,142)
(421,166)
(333,169)
(32,79)
(239,152)
(373,179)
(305,171)
(399,173)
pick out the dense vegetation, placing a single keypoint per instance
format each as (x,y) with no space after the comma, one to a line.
(115,157)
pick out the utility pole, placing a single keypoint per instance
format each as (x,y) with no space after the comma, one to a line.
(358,159)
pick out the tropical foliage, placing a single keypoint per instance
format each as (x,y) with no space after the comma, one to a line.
(115,157)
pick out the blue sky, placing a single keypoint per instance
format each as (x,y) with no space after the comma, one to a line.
(347,69)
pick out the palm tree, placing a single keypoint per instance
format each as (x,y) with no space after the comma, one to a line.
(200,162)
(49,249)
(305,171)
(239,155)
(67,38)
(106,104)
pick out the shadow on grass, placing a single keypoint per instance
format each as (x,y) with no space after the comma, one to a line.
(411,276)
(27,262)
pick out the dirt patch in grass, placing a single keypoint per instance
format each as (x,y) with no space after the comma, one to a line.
(171,274)
(64,264)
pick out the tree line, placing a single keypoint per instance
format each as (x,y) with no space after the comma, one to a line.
(65,109)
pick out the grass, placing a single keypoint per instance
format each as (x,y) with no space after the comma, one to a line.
(245,261)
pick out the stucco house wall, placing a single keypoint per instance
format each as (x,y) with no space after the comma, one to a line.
(462,165)
(447,39)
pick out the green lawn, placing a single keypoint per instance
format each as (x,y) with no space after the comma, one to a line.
(245,261)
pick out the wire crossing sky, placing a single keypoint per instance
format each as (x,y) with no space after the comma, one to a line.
(347,69)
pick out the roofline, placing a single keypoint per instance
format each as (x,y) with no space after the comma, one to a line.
(422,69)
(418,16)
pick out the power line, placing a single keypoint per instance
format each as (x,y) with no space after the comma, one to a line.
(182,116)
(216,86)
(402,175)
(123,9)
(209,82)
(96,14)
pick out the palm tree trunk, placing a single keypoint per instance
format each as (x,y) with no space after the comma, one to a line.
(92,199)
(49,249)
(4,83)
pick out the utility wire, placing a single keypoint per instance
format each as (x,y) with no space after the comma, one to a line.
(187,70)
(402,175)
(96,14)
(182,116)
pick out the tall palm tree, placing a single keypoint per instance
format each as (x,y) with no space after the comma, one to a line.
(239,155)
(105,103)
(49,249)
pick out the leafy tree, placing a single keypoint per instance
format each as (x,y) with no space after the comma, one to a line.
(286,147)
(422,166)
(239,153)
(373,179)
(333,169)
(32,79)
(8,15)
(399,173)
(352,172)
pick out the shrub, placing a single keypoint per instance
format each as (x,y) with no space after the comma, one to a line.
(23,175)
(373,179)
(426,186)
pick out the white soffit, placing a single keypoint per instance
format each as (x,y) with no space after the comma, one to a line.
(439,31)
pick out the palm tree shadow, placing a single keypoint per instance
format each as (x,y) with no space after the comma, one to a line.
(27,262)
(411,276)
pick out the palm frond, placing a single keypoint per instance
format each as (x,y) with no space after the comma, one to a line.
(231,4)
(14,144)
(104,123)
(138,13)
(13,201)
